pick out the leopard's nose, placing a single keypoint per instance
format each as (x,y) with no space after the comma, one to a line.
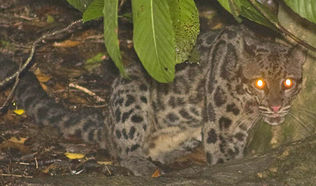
(276,108)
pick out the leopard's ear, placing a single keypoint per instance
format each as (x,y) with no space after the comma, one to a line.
(247,48)
(248,44)
(298,54)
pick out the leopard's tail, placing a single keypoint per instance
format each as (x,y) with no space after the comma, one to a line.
(45,111)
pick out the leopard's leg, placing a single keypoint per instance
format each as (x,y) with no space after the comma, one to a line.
(167,144)
(132,121)
(225,138)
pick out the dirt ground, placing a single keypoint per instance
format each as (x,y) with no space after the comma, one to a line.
(33,155)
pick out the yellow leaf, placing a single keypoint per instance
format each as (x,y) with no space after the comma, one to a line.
(16,140)
(104,162)
(19,111)
(73,156)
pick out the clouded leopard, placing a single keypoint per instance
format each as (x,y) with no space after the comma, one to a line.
(239,79)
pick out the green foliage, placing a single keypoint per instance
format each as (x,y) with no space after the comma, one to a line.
(185,20)
(267,13)
(306,8)
(164,34)
(246,9)
(108,9)
(94,10)
(80,4)
(154,38)
(94,62)
(165,31)
(111,33)
(50,19)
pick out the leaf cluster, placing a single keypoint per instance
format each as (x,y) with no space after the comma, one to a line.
(165,31)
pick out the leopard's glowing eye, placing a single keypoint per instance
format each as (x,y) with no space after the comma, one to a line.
(260,84)
(288,83)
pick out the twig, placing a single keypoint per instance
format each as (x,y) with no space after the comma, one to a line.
(16,175)
(95,106)
(34,45)
(24,17)
(121,4)
(85,90)
(107,168)
(36,163)
(8,99)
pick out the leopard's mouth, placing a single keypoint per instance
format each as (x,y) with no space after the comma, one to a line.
(275,119)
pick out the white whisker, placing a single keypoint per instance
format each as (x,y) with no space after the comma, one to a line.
(287,107)
(307,114)
(302,123)
(244,119)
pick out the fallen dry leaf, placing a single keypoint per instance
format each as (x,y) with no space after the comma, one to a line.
(20,147)
(17,140)
(156,174)
(67,43)
(43,78)
(52,166)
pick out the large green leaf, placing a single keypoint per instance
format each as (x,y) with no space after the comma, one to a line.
(154,38)
(80,4)
(226,5)
(94,10)
(185,19)
(111,33)
(231,7)
(246,9)
(305,8)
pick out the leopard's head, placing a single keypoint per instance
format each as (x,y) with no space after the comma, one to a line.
(274,77)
